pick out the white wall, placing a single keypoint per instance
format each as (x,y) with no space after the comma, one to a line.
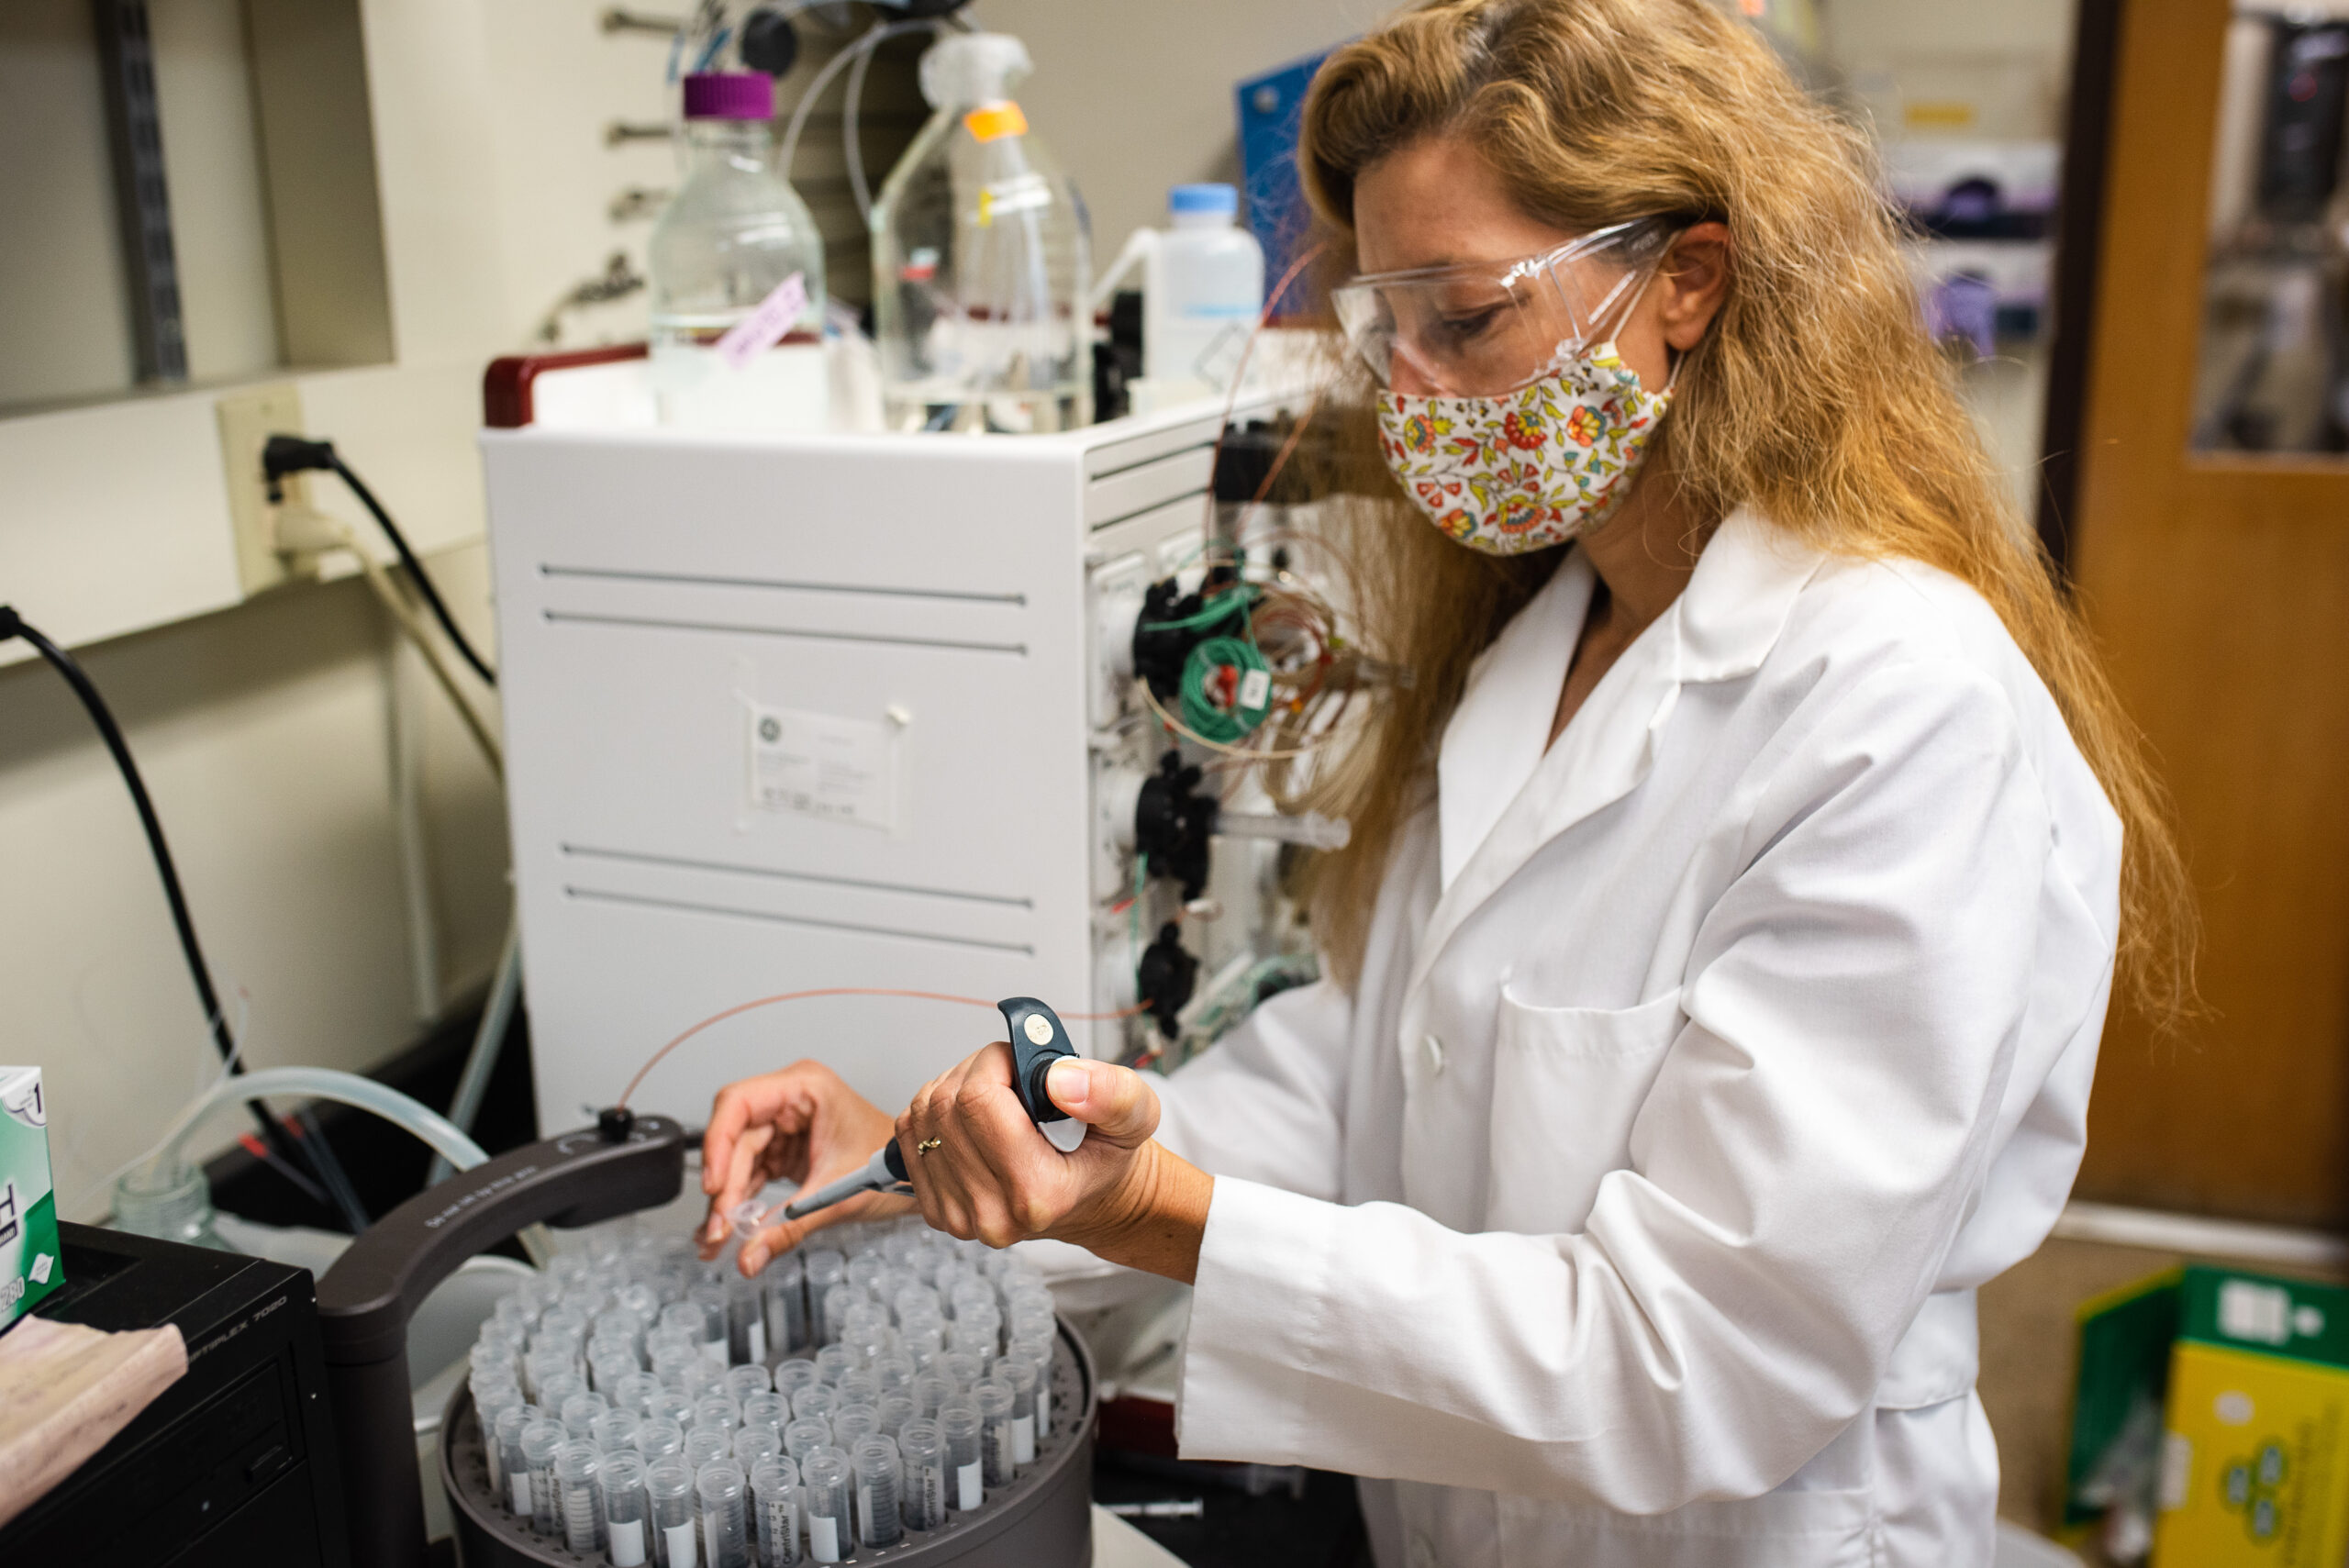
(263,734)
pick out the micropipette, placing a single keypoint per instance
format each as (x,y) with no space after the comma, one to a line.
(1038,1039)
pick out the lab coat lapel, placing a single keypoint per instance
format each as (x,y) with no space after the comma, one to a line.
(1721,628)
(1489,750)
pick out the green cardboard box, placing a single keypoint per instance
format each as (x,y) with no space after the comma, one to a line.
(30,1266)
(2214,1405)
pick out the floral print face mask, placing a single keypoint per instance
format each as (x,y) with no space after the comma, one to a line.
(1530,468)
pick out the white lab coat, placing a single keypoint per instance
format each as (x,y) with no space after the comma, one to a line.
(1632,1212)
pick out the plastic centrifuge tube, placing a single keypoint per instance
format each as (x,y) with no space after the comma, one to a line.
(741,1381)
(833,1362)
(541,1441)
(959,1424)
(669,1490)
(717,1410)
(784,1281)
(511,1466)
(672,1364)
(803,1437)
(835,1305)
(711,1300)
(817,1401)
(822,1268)
(578,1498)
(725,1514)
(746,1323)
(670,1405)
(963,1368)
(857,1388)
(1017,1374)
(923,1451)
(824,1478)
(614,1431)
(766,1409)
(486,1409)
(658,1439)
(791,1376)
(894,1410)
(557,1392)
(852,1424)
(929,1391)
(635,1392)
(622,1480)
(579,1413)
(774,1503)
(752,1444)
(705,1445)
(879,1481)
(895,1373)
(541,1365)
(997,1444)
(609,1366)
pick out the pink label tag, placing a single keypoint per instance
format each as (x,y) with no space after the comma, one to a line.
(765,327)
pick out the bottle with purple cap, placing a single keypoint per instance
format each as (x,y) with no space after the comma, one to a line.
(737,272)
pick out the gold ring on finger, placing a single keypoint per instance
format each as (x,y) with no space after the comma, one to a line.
(927,1144)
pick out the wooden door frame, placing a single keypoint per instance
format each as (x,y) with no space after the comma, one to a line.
(2219,585)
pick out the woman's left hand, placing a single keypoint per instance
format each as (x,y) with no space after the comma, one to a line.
(988,1173)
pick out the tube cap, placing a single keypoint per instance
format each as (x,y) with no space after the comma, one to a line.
(729,96)
(965,70)
(1210,198)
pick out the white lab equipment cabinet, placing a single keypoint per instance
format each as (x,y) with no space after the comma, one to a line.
(799,712)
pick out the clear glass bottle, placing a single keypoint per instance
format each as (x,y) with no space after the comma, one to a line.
(169,1203)
(737,273)
(981,260)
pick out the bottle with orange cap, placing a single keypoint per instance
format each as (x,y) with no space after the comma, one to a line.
(981,260)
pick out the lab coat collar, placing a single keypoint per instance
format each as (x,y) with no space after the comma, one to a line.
(1730,616)
(1502,797)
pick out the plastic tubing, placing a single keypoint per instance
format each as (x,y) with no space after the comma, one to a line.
(326,1084)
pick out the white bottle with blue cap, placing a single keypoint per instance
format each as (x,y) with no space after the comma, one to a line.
(1203,289)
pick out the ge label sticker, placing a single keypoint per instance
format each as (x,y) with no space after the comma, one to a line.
(839,770)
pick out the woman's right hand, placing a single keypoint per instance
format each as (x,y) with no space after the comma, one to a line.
(801,1124)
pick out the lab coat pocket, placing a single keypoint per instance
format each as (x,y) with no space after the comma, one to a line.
(1567,1085)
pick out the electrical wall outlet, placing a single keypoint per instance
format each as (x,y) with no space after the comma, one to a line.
(247,419)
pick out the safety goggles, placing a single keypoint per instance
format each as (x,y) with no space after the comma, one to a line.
(1483,328)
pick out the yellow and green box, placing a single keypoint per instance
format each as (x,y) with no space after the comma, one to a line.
(30,1266)
(2251,1375)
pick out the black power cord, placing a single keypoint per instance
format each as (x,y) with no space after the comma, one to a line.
(13,625)
(281,455)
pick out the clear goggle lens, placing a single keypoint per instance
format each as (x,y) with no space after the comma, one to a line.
(1481,331)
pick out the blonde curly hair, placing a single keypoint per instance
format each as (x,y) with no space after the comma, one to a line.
(1815,397)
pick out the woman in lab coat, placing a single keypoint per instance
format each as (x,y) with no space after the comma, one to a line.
(1717,970)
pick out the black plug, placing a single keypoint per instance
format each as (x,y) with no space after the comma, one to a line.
(1166,977)
(11,623)
(283,454)
(769,43)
